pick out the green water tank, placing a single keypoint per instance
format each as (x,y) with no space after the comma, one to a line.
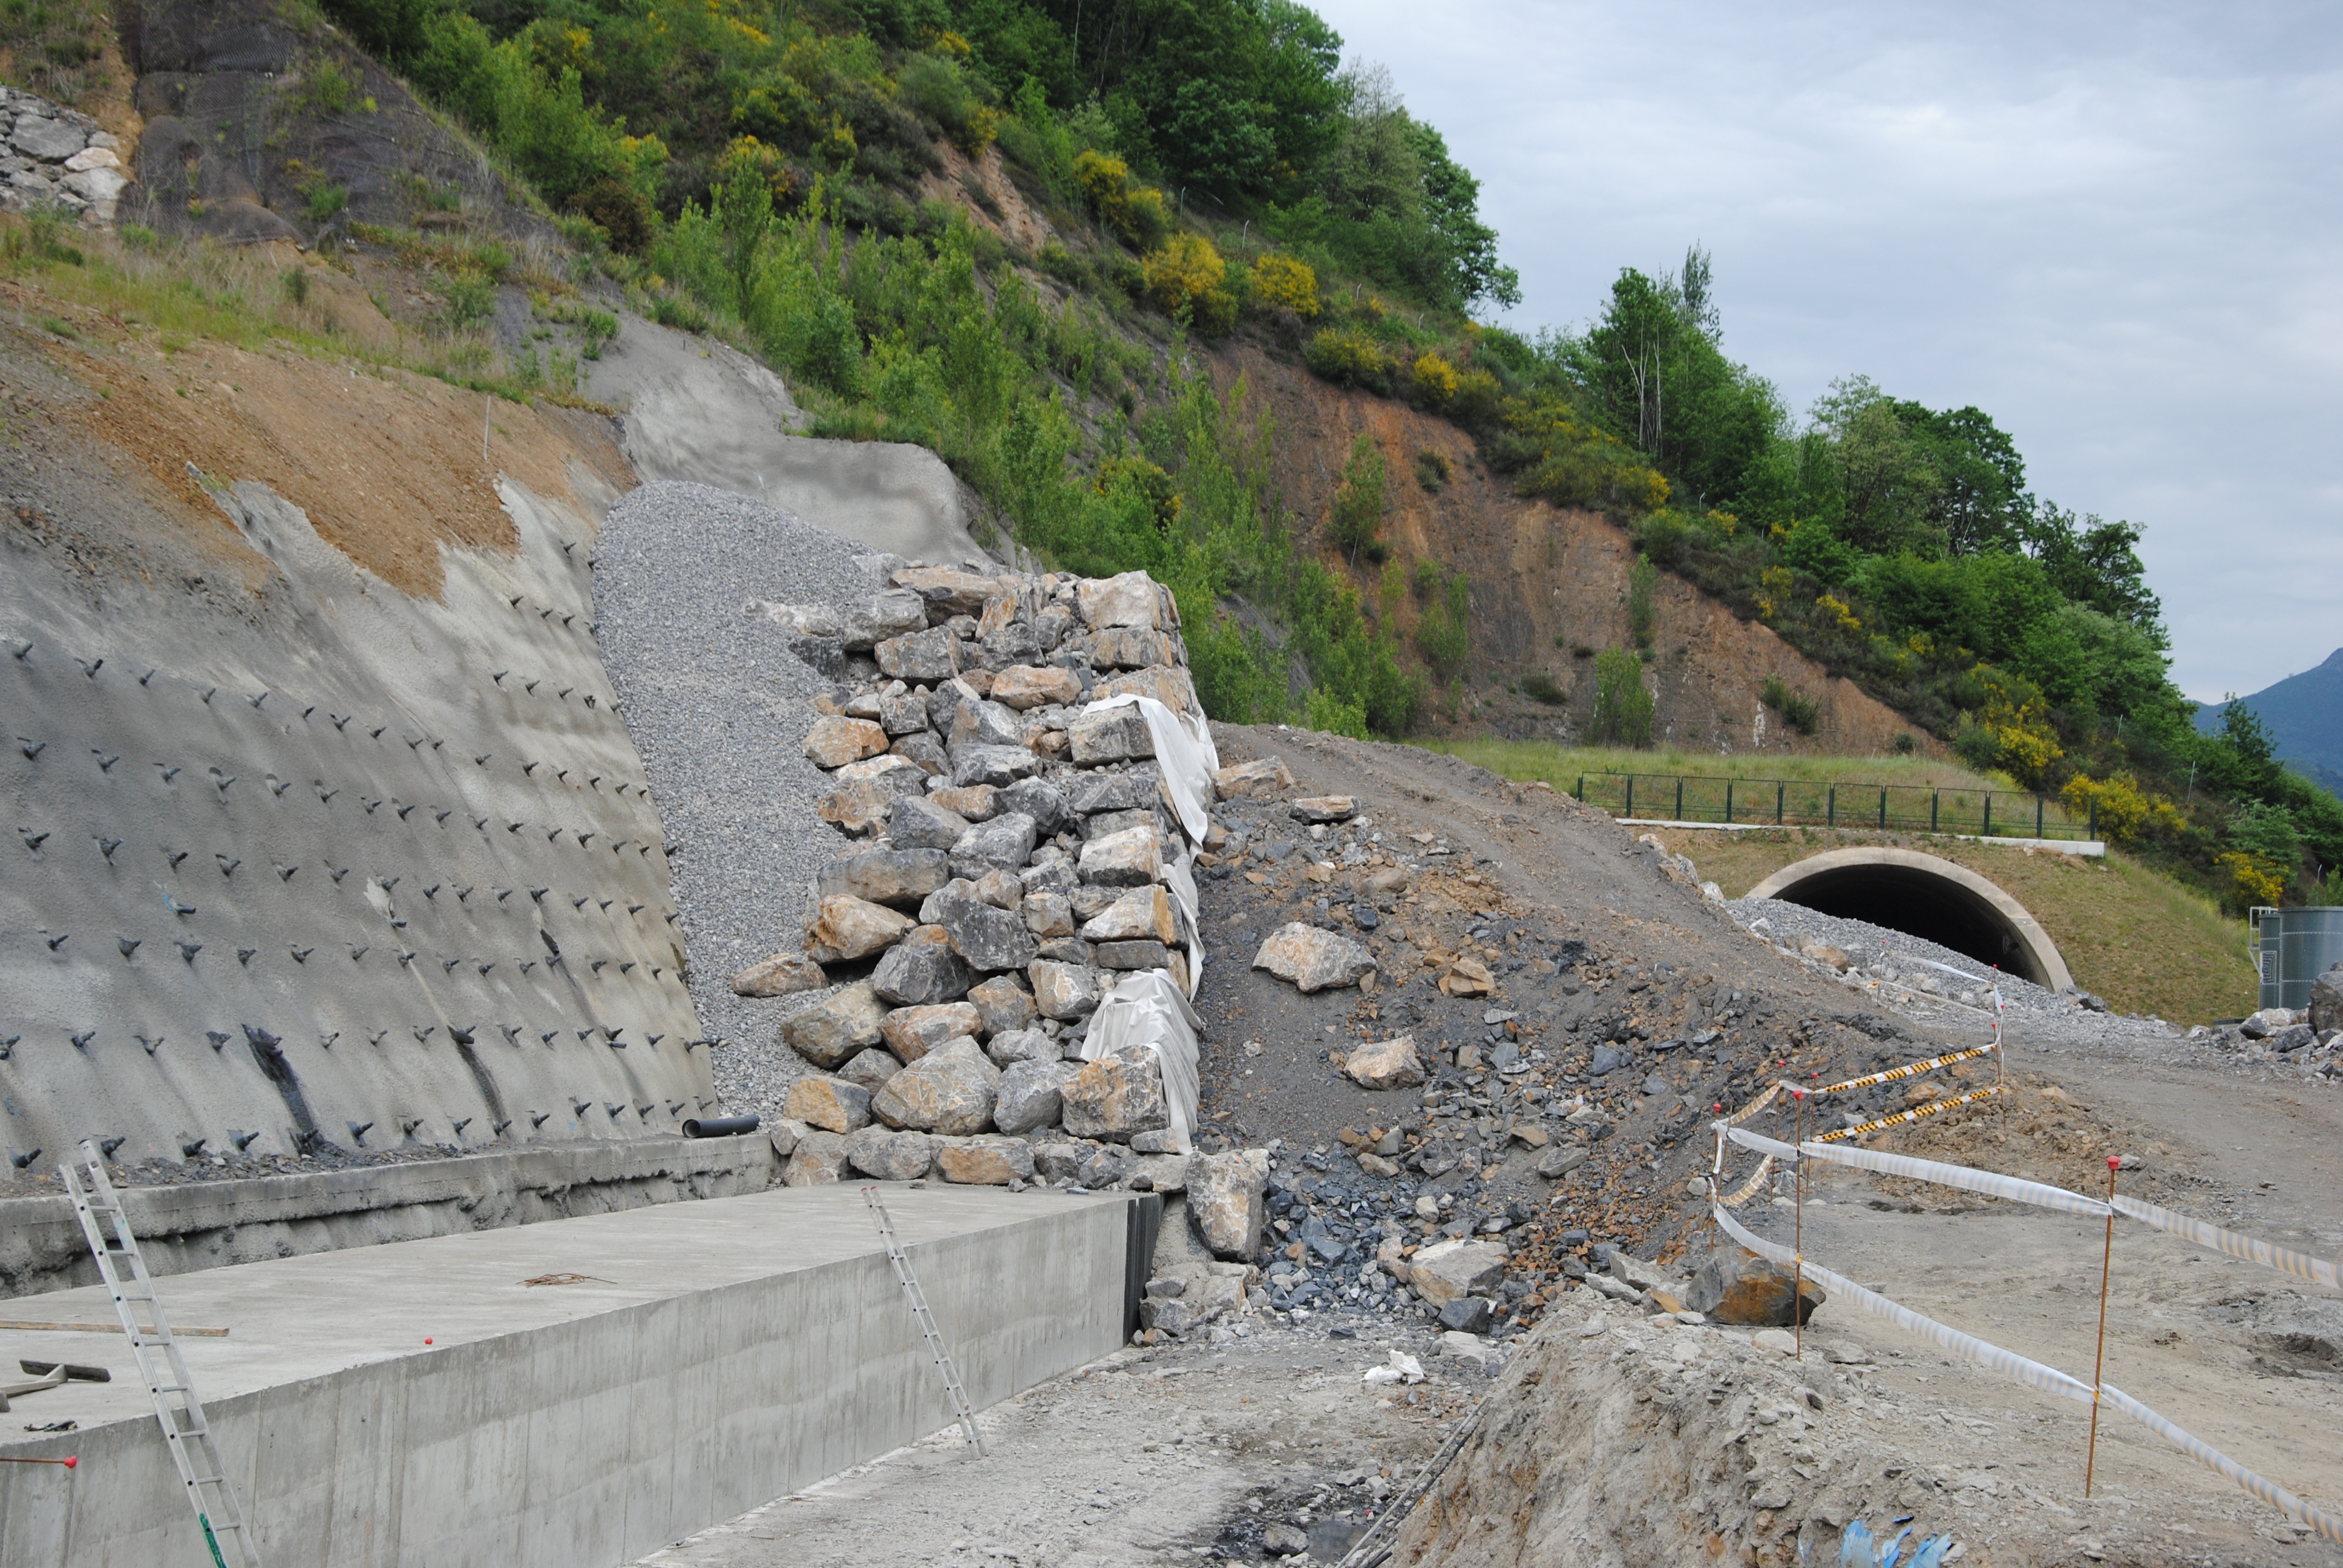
(2295,947)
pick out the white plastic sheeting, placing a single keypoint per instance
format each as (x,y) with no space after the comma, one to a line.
(1185,754)
(1145,1012)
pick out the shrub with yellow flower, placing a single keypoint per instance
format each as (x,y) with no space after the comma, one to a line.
(1282,283)
(1435,381)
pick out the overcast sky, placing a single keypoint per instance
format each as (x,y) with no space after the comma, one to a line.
(2115,228)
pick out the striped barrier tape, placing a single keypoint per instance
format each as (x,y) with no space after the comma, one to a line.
(1893,1073)
(1749,1188)
(2213,1459)
(1993,1184)
(2034,1374)
(2251,1248)
(1933,1108)
(2285,1259)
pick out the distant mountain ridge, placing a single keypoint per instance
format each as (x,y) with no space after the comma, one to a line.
(2304,714)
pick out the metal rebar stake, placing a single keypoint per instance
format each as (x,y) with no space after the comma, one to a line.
(2099,1363)
(917,1299)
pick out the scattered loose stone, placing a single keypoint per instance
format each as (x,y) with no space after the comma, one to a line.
(949,1091)
(830,1031)
(1387,1064)
(1323,808)
(1314,959)
(984,1161)
(1117,1096)
(779,975)
(834,1104)
(844,929)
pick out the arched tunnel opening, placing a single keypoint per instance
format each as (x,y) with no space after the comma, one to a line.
(1927,898)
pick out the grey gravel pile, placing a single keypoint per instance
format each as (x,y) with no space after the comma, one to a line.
(714,702)
(2032,1014)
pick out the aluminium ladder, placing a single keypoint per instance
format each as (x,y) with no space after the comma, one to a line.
(927,1321)
(185,1429)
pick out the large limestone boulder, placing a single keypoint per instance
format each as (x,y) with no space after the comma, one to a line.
(1110,735)
(857,808)
(1115,1097)
(1000,766)
(1129,599)
(1315,809)
(948,1091)
(922,968)
(2327,1001)
(1447,1270)
(949,591)
(1143,914)
(781,975)
(921,656)
(911,1032)
(1314,959)
(844,929)
(1003,1006)
(1012,1046)
(1041,801)
(1225,1200)
(985,723)
(818,1160)
(984,1161)
(888,1155)
(832,1104)
(920,822)
(989,937)
(1385,1064)
(1264,779)
(1168,684)
(835,741)
(1131,859)
(1033,1092)
(1004,844)
(1063,991)
(899,878)
(1023,685)
(1735,1286)
(834,1029)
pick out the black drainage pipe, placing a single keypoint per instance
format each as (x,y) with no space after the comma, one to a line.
(719,1126)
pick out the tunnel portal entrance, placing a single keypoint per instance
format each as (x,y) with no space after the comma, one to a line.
(1927,898)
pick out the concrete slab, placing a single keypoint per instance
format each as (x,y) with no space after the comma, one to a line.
(719,1353)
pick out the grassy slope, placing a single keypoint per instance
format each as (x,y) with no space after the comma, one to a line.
(1961,790)
(2129,934)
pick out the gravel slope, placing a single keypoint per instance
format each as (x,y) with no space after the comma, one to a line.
(711,695)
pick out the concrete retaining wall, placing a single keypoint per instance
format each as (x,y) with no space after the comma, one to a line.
(336,865)
(211,1225)
(736,1351)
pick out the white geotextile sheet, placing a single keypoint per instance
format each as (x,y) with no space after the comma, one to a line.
(1184,751)
(1186,757)
(1146,1011)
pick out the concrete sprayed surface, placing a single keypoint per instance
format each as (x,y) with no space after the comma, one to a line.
(336,868)
(697,411)
(426,1401)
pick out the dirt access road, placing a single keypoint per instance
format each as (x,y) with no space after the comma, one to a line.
(1190,1452)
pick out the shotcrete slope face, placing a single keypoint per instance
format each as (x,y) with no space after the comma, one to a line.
(334,866)
(697,412)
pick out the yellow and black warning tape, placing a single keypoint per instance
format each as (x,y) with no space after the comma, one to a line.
(1912,1070)
(1933,1108)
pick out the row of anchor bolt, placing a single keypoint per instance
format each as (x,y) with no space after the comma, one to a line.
(128,947)
(263,1040)
(223,782)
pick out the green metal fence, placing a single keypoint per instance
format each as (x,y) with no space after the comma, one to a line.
(1804,803)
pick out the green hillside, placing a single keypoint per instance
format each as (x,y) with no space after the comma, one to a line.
(815,182)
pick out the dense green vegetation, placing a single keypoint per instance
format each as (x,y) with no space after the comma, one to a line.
(768,171)
(1898,544)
